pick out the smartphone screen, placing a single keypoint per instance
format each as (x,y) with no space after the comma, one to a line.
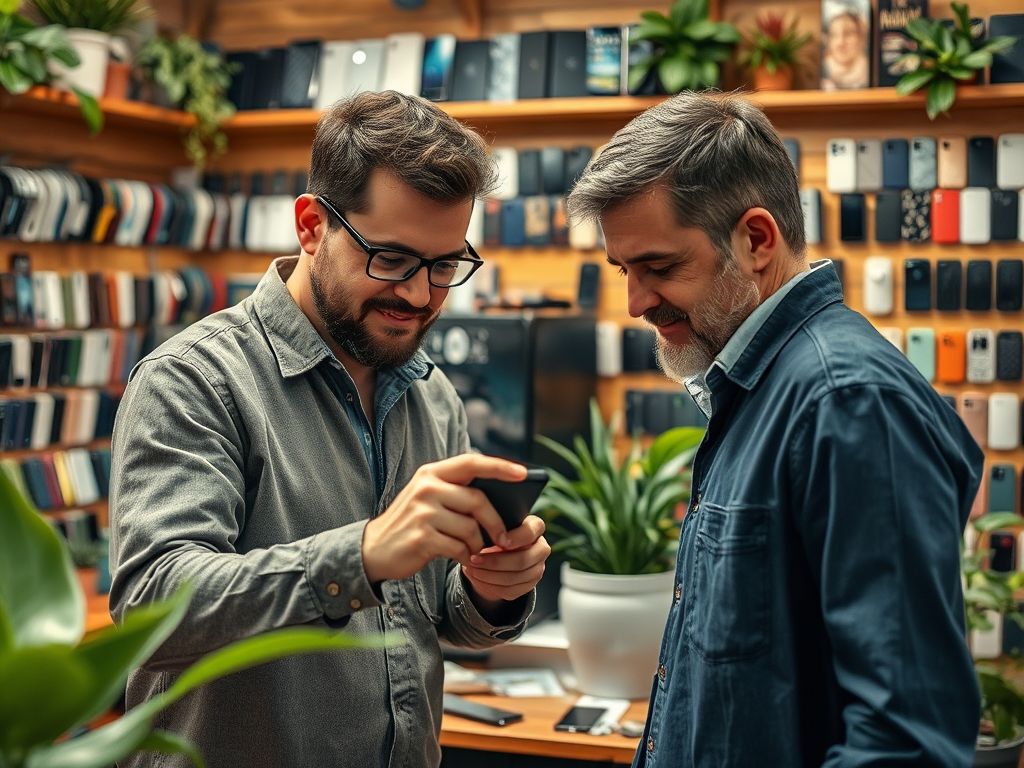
(438,55)
(580,719)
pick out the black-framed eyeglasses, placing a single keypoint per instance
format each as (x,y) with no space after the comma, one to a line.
(393,266)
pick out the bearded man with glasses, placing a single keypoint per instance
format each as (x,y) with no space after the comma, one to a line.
(299,460)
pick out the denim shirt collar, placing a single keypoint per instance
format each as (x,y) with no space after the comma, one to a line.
(297,345)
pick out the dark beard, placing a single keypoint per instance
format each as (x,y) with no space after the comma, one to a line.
(350,333)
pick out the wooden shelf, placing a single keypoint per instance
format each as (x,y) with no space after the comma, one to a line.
(116,112)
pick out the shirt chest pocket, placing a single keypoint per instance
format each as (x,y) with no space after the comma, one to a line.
(728,611)
(431,589)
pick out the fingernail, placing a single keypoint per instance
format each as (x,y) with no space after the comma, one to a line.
(475,559)
(503,540)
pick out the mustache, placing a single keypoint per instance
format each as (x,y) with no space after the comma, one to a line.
(665,315)
(399,306)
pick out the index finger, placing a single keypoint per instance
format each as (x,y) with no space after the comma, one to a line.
(465,467)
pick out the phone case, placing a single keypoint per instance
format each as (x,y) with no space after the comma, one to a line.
(438,66)
(1008,355)
(533,65)
(946,216)
(364,71)
(576,160)
(1004,421)
(978,294)
(1005,224)
(506,161)
(513,222)
(948,285)
(503,67)
(841,166)
(1008,65)
(916,211)
(917,285)
(559,221)
(923,170)
(869,165)
(537,212)
(951,162)
(513,500)
(895,337)
(529,172)
(973,410)
(793,150)
(604,61)
(878,285)
(1004,558)
(469,70)
(403,63)
(895,164)
(810,202)
(851,217)
(1002,492)
(951,357)
(921,350)
(1010,161)
(975,216)
(1009,285)
(888,216)
(492,222)
(589,285)
(567,63)
(299,84)
(552,164)
(981,356)
(981,162)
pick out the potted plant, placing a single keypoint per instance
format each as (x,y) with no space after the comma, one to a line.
(615,525)
(771,49)
(1001,731)
(688,47)
(53,681)
(28,50)
(945,56)
(195,80)
(90,25)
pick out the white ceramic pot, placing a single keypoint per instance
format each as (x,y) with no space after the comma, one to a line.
(90,76)
(614,626)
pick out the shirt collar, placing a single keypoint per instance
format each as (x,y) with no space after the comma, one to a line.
(296,344)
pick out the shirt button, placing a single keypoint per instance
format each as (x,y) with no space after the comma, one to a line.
(679,592)
(391,612)
(348,397)
(333,589)
(650,744)
(356,604)
(661,671)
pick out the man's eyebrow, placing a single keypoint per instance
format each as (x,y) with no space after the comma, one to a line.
(641,258)
(395,246)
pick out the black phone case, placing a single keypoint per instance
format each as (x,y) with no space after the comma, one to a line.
(512,501)
(241,88)
(1004,214)
(948,285)
(978,294)
(851,217)
(638,344)
(1003,556)
(529,172)
(981,161)
(895,164)
(589,285)
(576,160)
(552,164)
(916,216)
(917,285)
(533,65)
(1008,355)
(300,60)
(469,80)
(269,71)
(888,217)
(657,411)
(1009,285)
(634,410)
(567,64)
(1007,66)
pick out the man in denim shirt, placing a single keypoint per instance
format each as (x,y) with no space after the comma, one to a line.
(300,461)
(817,617)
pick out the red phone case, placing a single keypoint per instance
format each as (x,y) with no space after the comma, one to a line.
(946,216)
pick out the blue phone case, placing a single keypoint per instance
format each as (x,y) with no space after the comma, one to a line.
(513,223)
(895,164)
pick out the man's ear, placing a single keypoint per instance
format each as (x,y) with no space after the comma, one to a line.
(311,223)
(756,238)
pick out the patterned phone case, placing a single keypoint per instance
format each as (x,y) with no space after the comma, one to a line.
(916,225)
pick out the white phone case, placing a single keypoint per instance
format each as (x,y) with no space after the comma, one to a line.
(810,201)
(975,216)
(506,159)
(403,63)
(878,287)
(981,356)
(1003,421)
(841,165)
(988,645)
(895,337)
(335,59)
(609,348)
(1010,161)
(869,165)
(475,231)
(366,67)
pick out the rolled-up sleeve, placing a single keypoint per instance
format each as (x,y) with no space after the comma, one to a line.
(881,495)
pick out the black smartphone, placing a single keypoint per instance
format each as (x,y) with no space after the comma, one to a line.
(580,719)
(917,286)
(981,161)
(948,285)
(456,705)
(512,500)
(1009,285)
(978,295)
(1003,555)
(589,286)
(851,217)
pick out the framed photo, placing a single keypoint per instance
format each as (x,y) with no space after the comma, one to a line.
(845,44)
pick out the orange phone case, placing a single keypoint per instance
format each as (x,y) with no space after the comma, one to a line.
(946,216)
(951,357)
(951,161)
(973,409)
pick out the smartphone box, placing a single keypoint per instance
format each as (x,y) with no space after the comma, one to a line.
(604,61)
(892,40)
(845,44)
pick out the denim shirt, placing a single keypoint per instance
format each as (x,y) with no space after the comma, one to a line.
(817,617)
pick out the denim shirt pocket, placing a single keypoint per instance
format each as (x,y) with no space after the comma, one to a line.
(729,612)
(431,588)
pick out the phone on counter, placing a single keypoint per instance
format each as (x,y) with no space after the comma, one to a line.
(456,705)
(580,719)
(512,500)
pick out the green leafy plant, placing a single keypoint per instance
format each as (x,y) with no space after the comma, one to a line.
(52,681)
(687,47)
(196,80)
(110,16)
(623,513)
(945,56)
(985,591)
(25,51)
(773,44)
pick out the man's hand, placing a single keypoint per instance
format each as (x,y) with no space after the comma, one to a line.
(510,571)
(438,515)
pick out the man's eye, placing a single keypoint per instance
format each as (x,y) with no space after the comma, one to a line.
(660,271)
(622,271)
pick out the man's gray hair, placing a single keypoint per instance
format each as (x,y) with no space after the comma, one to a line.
(719,156)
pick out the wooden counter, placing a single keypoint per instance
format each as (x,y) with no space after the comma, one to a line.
(535,734)
(97,615)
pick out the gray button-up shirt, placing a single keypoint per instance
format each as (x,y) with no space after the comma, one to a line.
(235,467)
